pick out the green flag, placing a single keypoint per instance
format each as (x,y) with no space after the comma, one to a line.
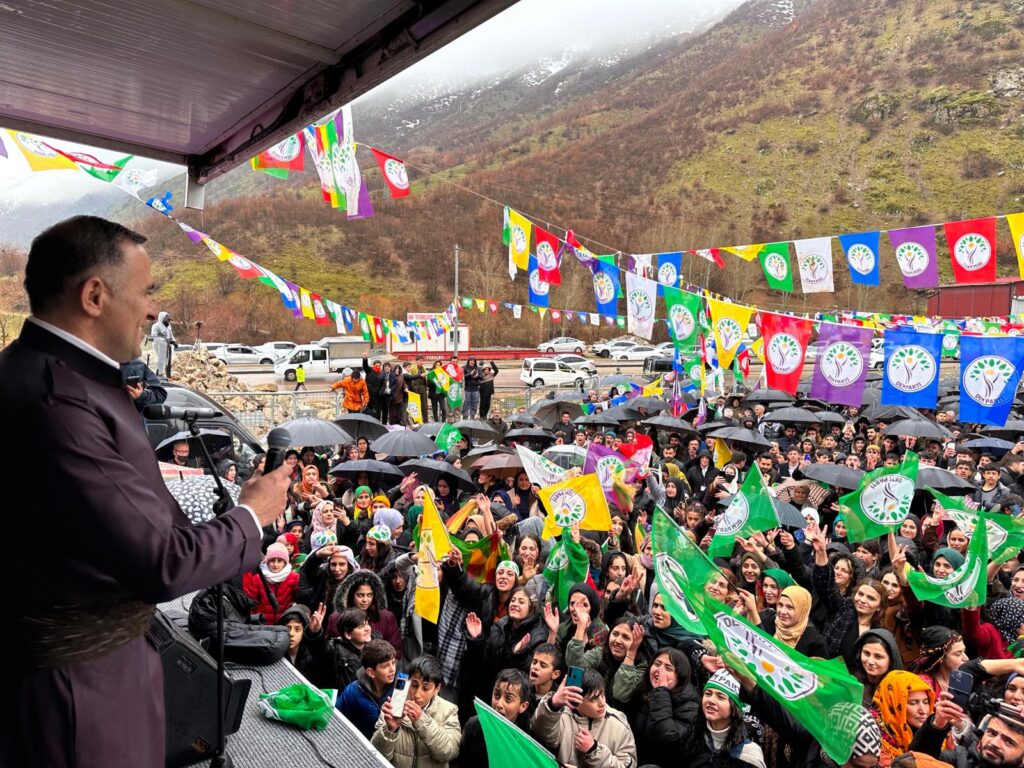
(668,551)
(950,339)
(454,395)
(750,511)
(775,264)
(506,234)
(509,746)
(966,587)
(821,695)
(683,310)
(447,436)
(104,174)
(882,502)
(567,565)
(1005,532)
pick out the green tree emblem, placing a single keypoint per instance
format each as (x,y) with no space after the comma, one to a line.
(641,305)
(729,332)
(887,499)
(396,173)
(986,378)
(545,255)
(669,573)
(784,353)
(768,664)
(776,266)
(814,267)
(568,506)
(911,368)
(841,364)
(972,251)
(912,258)
(604,288)
(518,238)
(667,274)
(539,286)
(682,321)
(861,258)
(286,150)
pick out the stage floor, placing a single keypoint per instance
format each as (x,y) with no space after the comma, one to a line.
(261,742)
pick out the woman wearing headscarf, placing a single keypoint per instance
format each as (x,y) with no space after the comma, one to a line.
(310,489)
(585,596)
(365,590)
(942,651)
(322,573)
(523,497)
(331,525)
(377,550)
(902,703)
(991,639)
(875,655)
(392,518)
(773,581)
(791,624)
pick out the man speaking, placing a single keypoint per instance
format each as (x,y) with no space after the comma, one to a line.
(84,687)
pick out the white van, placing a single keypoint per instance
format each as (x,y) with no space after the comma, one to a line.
(541,371)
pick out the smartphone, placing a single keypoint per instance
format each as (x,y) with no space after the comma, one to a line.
(807,457)
(132,381)
(575,677)
(960,685)
(400,694)
(798,536)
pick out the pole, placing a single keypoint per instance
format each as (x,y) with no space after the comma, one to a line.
(456,303)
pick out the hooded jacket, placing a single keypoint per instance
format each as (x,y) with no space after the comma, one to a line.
(663,723)
(382,621)
(614,747)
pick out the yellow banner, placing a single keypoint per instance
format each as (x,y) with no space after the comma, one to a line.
(745,252)
(1016,222)
(577,500)
(414,407)
(519,231)
(39,156)
(306,304)
(730,323)
(434,547)
(722,453)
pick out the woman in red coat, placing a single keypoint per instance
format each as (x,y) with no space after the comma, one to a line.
(280,579)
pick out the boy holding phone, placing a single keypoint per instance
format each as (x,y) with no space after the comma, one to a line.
(426,734)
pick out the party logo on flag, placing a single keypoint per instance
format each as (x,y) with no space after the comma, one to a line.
(35,146)
(537,285)
(861,258)
(775,264)
(786,678)
(841,364)
(519,239)
(604,288)
(729,332)
(972,251)
(669,573)
(950,343)
(886,499)
(546,257)
(287,150)
(667,274)
(734,516)
(911,368)
(569,507)
(784,353)
(682,321)
(913,259)
(395,172)
(640,306)
(985,378)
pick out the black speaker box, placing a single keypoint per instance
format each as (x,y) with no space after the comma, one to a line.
(190,693)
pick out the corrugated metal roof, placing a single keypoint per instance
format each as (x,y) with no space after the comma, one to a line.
(206,83)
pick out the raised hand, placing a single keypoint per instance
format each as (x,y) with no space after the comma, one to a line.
(551,617)
(317,619)
(474,626)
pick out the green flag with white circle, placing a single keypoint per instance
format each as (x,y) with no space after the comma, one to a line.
(882,501)
(750,511)
(967,586)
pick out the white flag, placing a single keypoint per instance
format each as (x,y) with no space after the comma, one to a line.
(815,259)
(641,294)
(134,180)
(541,471)
(517,311)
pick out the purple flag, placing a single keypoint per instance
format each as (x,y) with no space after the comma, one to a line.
(3,149)
(365,204)
(915,253)
(296,305)
(606,462)
(841,365)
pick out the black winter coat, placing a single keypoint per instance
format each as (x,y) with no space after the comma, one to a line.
(663,724)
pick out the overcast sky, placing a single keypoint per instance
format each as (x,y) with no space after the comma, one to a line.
(519,36)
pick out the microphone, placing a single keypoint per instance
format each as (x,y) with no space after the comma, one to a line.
(279,440)
(165,412)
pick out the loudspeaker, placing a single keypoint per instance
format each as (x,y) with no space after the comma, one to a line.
(190,693)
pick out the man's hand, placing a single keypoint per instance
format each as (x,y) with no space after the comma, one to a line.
(134,392)
(267,495)
(567,694)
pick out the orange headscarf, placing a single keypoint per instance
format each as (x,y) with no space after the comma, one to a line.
(891,709)
(308,488)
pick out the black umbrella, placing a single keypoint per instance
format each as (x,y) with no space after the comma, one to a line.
(548,412)
(597,420)
(741,435)
(838,475)
(476,429)
(830,417)
(361,425)
(990,445)
(791,415)
(380,472)
(525,419)
(480,452)
(709,426)
(624,412)
(404,442)
(215,436)
(889,413)
(430,429)
(942,480)
(429,471)
(650,404)
(670,423)
(196,495)
(1012,429)
(768,395)
(310,430)
(917,428)
(871,396)
(529,435)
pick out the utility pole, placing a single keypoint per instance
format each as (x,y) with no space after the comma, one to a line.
(456,302)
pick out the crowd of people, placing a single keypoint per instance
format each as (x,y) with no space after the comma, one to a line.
(614,680)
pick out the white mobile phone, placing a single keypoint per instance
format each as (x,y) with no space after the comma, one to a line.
(399,695)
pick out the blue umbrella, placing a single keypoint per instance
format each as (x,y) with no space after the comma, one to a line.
(990,444)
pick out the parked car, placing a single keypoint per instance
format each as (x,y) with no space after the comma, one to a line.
(577,363)
(210,346)
(563,344)
(876,359)
(636,352)
(813,350)
(278,349)
(236,354)
(611,348)
(540,371)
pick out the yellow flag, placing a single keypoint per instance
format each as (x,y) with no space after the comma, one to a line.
(652,389)
(480,304)
(414,407)
(745,252)
(758,348)
(1016,222)
(730,323)
(306,303)
(519,229)
(723,455)
(217,249)
(434,546)
(577,500)
(39,156)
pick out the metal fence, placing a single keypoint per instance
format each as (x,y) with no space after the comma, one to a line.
(262,411)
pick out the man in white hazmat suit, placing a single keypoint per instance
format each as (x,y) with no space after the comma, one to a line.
(163,342)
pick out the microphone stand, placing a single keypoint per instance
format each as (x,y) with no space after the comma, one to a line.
(220,758)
